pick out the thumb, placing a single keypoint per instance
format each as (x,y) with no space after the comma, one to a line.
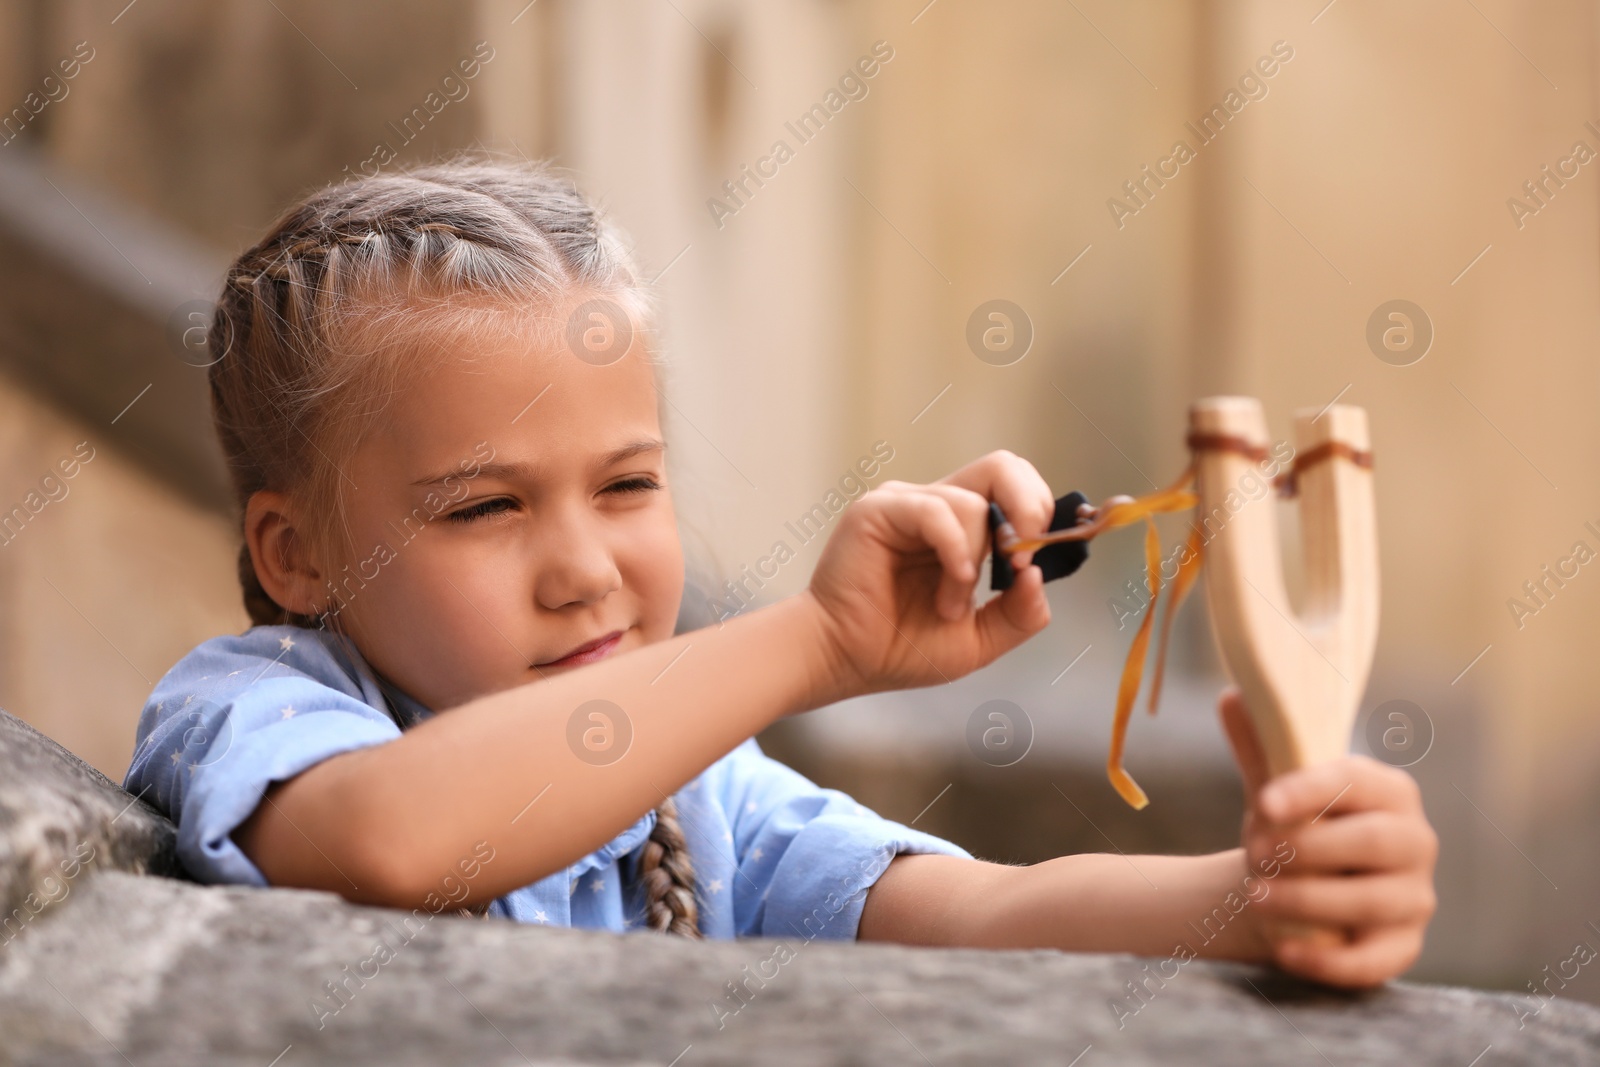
(1005,621)
(1246,746)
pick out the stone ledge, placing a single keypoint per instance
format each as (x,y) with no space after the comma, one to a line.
(125,967)
(165,971)
(56,812)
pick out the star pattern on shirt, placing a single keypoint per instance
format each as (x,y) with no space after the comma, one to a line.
(286,642)
(289,712)
(176,759)
(727,835)
(756,853)
(597,883)
(540,917)
(714,886)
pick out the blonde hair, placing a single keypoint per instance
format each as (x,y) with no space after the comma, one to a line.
(318,325)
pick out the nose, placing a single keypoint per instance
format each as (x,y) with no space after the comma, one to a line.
(575,564)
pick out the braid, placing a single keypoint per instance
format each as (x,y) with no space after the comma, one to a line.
(668,876)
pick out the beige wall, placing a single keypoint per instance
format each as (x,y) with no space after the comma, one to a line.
(108,583)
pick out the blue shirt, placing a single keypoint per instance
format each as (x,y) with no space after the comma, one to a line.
(774,854)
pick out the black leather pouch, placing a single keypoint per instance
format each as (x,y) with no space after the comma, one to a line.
(1055,561)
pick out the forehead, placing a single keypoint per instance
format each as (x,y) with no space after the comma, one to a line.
(522,389)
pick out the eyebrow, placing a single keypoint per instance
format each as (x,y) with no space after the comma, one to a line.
(531,471)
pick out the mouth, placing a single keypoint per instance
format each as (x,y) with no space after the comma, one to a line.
(588,652)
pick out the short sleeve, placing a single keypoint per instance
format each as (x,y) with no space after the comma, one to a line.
(237,714)
(806,854)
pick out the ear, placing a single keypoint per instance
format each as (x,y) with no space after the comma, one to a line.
(282,555)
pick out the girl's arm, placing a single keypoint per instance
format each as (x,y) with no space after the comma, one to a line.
(890,605)
(1343,847)
(385,824)
(1094,902)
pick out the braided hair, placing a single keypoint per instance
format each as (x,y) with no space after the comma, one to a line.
(316,328)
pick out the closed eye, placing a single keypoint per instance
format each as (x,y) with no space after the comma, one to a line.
(641,484)
(481,508)
(496,505)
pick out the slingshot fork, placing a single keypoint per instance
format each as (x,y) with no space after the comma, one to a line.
(1301,675)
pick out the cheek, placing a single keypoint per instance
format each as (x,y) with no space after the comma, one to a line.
(435,626)
(459,605)
(652,567)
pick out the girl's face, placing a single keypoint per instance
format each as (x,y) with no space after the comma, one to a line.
(511,507)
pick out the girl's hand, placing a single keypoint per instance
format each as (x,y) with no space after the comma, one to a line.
(1349,905)
(895,580)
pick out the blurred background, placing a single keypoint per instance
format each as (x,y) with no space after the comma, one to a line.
(828,302)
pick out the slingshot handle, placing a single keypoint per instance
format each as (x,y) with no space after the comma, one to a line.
(1301,675)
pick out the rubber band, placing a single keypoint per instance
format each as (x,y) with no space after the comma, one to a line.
(1119,511)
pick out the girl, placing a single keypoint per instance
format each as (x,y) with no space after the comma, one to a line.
(437,398)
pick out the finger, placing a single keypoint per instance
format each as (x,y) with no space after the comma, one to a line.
(927,520)
(1241,731)
(1359,841)
(1005,621)
(1014,484)
(1371,959)
(1350,900)
(972,509)
(1353,783)
(972,512)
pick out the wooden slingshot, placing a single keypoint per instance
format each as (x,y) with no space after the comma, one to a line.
(1301,675)
(1301,678)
